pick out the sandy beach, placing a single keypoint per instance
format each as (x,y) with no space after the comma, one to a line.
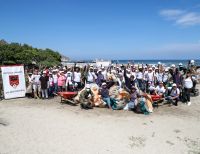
(29,126)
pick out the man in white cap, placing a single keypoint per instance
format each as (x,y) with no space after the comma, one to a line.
(174,94)
(44,85)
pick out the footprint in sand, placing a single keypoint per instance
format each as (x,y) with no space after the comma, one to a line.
(137,141)
(170,143)
(177,131)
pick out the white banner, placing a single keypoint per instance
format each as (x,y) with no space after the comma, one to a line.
(13,81)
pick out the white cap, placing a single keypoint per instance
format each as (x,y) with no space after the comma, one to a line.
(192,61)
(153,66)
(180,64)
(173,65)
(174,85)
(100,70)
(166,69)
(159,63)
(150,68)
(103,84)
(44,72)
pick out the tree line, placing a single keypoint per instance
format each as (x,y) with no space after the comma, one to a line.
(16,53)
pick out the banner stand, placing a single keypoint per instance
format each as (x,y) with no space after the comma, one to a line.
(13,81)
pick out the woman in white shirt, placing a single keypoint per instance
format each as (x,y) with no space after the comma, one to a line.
(188,84)
(160,89)
(77,77)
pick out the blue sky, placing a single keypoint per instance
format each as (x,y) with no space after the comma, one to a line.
(108,29)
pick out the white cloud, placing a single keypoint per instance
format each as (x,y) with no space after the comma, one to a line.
(189,19)
(181,17)
(171,13)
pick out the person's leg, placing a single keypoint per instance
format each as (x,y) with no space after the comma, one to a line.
(51,91)
(59,89)
(188,95)
(131,105)
(108,102)
(42,93)
(126,107)
(169,100)
(35,91)
(39,90)
(55,88)
(46,93)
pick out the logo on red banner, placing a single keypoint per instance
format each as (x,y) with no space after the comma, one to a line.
(14,80)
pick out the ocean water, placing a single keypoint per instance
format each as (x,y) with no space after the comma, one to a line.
(154,62)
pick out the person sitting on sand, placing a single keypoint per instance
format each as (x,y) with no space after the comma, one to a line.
(86,98)
(104,92)
(160,89)
(174,93)
(134,94)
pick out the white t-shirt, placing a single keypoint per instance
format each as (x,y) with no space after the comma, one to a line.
(151,76)
(55,78)
(133,74)
(174,92)
(104,74)
(35,78)
(160,90)
(91,77)
(77,76)
(188,83)
(146,75)
(165,77)
(139,75)
(160,77)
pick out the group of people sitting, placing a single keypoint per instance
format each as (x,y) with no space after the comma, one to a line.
(127,87)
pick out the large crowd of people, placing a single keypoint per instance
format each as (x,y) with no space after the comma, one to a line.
(128,87)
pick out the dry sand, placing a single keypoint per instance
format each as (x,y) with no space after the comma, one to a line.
(29,126)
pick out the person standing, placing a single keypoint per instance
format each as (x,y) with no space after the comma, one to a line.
(36,84)
(188,84)
(77,76)
(51,85)
(55,81)
(44,85)
(61,81)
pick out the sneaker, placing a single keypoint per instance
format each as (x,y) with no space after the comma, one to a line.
(189,103)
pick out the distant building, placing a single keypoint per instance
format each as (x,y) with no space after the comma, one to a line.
(64,60)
